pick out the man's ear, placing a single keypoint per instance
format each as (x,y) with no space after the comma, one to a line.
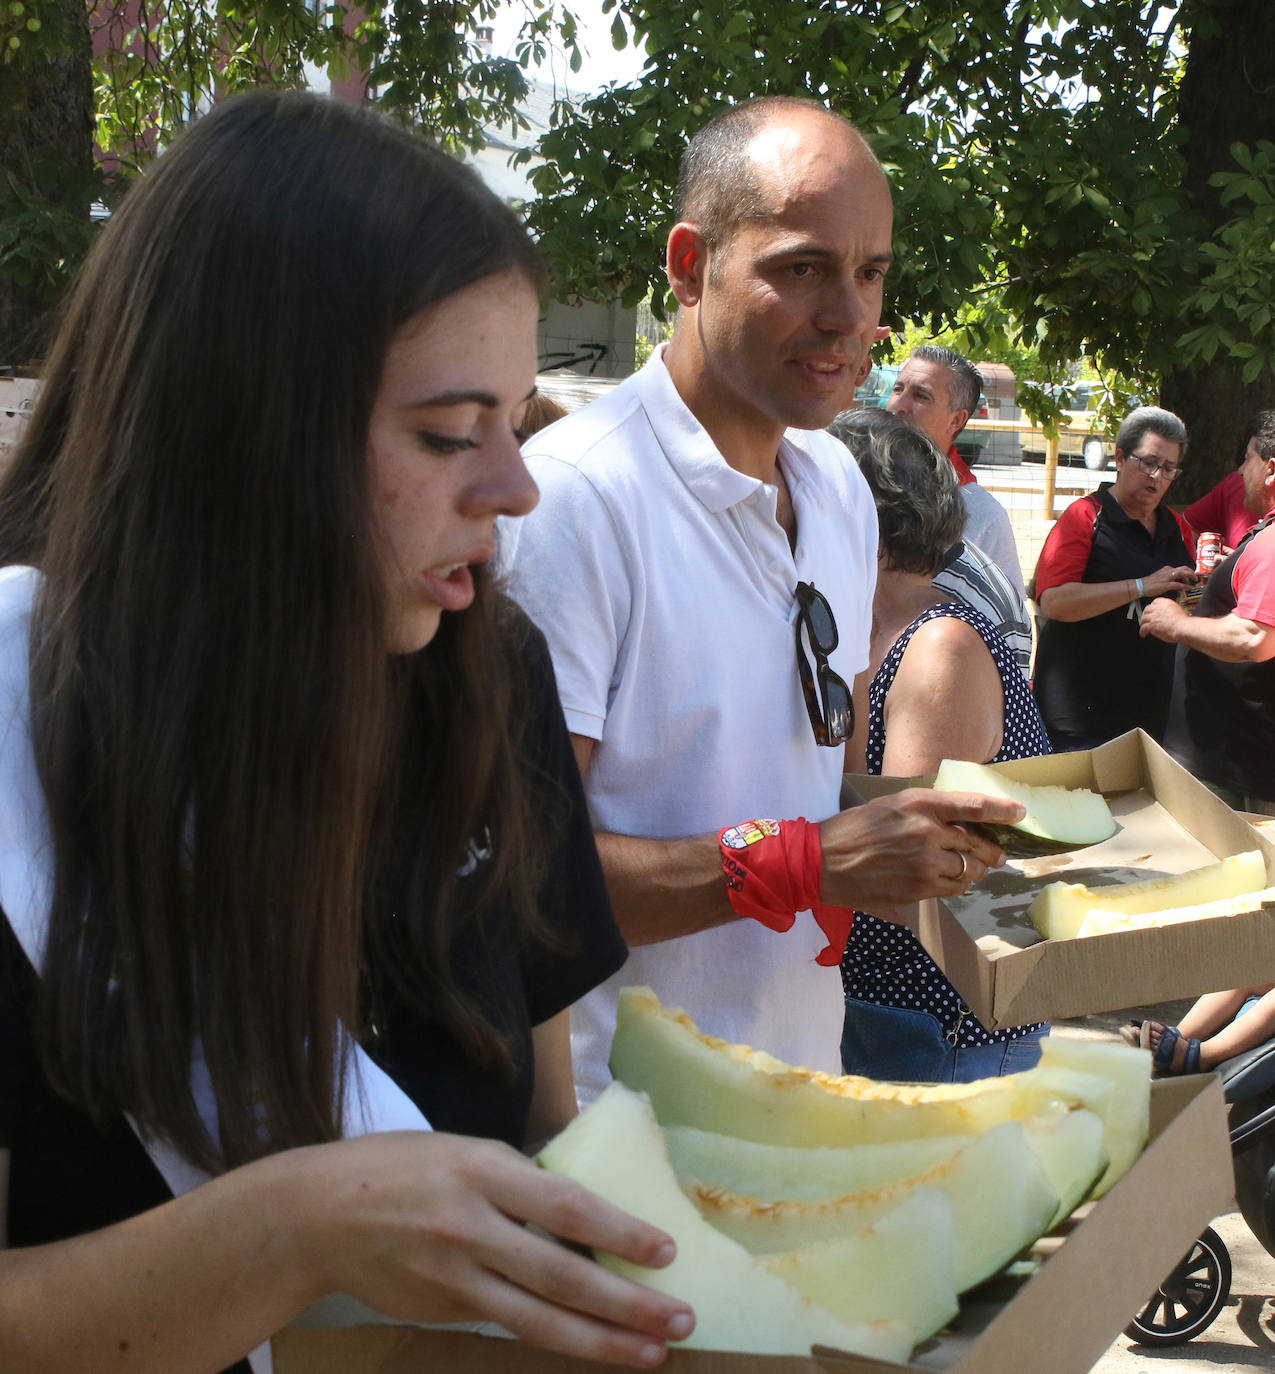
(686,262)
(960,418)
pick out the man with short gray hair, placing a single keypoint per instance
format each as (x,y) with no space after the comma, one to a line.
(937,390)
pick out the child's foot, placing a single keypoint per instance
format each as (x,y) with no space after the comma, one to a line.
(1172,1053)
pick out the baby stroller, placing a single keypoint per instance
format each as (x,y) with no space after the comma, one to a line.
(1188,1301)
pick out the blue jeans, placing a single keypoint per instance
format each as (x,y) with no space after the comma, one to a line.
(905,1045)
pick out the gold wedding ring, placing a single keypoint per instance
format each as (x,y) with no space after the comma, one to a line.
(960,877)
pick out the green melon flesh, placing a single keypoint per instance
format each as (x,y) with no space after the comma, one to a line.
(904,1264)
(1067,1141)
(1059,909)
(1070,1148)
(697,1080)
(1125,1106)
(1000,1197)
(1058,819)
(1098,922)
(797,1173)
(615,1149)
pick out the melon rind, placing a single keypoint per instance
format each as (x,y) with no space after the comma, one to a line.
(1057,819)
(798,1173)
(904,1265)
(1000,1197)
(698,1080)
(1059,909)
(1099,922)
(615,1149)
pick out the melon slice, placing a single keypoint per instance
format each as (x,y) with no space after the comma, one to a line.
(698,1080)
(1058,819)
(1069,1145)
(799,1173)
(904,1264)
(1049,1089)
(615,1149)
(1067,1141)
(1000,1197)
(1059,909)
(1125,1108)
(1098,922)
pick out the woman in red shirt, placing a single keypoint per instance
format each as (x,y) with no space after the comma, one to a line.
(1107,554)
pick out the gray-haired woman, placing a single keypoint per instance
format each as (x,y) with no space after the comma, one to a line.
(941,683)
(1108,554)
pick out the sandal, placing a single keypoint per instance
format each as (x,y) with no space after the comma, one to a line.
(1163,1054)
(1132,1035)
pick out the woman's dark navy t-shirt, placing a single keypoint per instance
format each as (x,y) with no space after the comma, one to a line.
(68,1176)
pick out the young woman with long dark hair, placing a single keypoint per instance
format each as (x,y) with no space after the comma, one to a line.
(294,862)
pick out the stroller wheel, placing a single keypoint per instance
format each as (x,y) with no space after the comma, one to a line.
(1188,1301)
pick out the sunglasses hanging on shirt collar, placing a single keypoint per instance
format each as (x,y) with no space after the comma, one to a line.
(828,700)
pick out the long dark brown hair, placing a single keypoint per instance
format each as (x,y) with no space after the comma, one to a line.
(214,708)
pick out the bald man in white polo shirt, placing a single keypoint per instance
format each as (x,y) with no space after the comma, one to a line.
(690,523)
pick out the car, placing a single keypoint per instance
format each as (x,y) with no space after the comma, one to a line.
(878,386)
(992,443)
(1077,443)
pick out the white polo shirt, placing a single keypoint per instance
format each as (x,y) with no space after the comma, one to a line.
(665,587)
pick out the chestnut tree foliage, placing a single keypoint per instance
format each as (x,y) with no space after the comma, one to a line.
(1083,179)
(160,63)
(1073,179)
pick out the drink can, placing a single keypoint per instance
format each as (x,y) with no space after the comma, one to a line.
(1208,552)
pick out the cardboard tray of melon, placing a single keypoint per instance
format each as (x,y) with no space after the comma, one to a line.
(1159,891)
(843,1224)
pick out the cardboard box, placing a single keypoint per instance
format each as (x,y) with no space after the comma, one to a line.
(1087,1286)
(1169,823)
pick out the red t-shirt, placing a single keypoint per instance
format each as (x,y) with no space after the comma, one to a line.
(1253,579)
(1223,510)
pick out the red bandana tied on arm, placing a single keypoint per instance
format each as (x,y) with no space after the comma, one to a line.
(773,870)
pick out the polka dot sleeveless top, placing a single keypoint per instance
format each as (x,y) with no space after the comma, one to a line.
(884,963)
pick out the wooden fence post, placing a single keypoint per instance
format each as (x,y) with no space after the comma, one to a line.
(1051,473)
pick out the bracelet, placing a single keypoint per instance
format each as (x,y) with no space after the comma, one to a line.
(1142,591)
(773,870)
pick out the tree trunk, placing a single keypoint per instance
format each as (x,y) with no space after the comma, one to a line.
(1227,96)
(46,169)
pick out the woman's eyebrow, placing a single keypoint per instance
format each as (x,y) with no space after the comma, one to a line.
(454,398)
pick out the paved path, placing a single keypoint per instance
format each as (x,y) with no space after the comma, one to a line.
(1243,1336)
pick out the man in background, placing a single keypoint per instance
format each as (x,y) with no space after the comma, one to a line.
(938,390)
(1222,713)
